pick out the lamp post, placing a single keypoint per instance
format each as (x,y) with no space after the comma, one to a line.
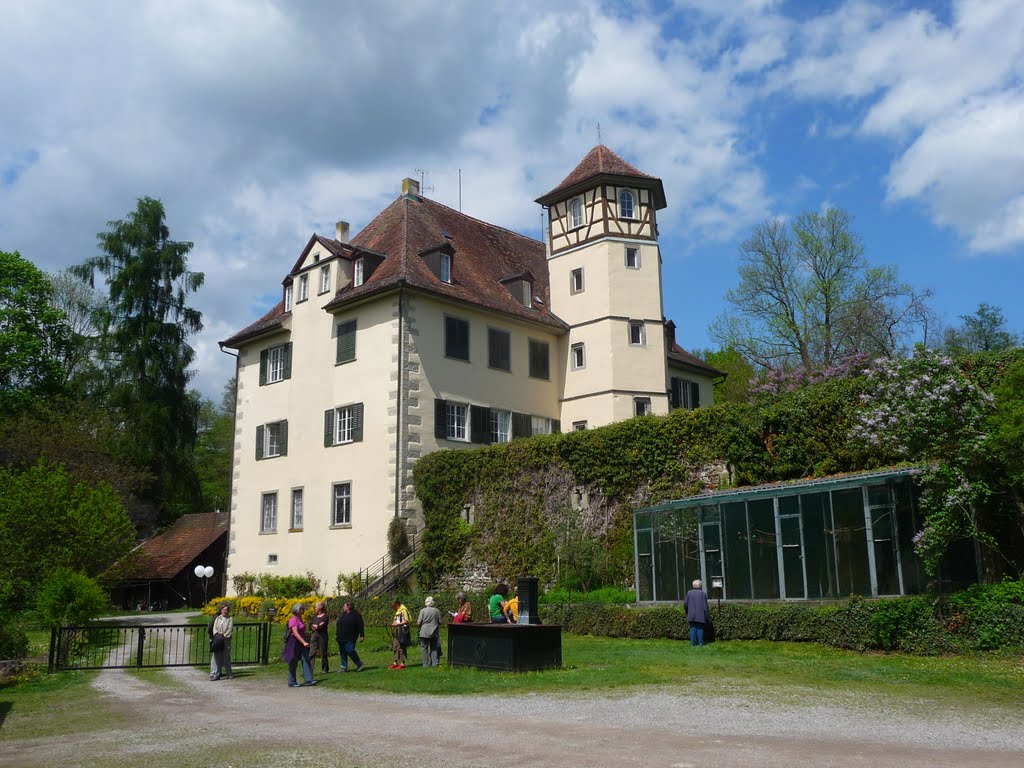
(204,572)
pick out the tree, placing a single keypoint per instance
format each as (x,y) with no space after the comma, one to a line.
(33,334)
(80,305)
(212,454)
(739,374)
(49,521)
(808,297)
(984,331)
(145,327)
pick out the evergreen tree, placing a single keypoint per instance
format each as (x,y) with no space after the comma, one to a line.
(144,326)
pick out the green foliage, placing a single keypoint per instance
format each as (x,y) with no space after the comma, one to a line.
(607,595)
(993,614)
(398,541)
(13,640)
(144,330)
(212,454)
(274,586)
(984,331)
(69,598)
(49,521)
(807,296)
(34,335)
(736,386)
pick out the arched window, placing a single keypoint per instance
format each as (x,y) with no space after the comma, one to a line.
(626,210)
(575,214)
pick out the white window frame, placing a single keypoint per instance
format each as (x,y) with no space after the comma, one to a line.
(268,512)
(275,364)
(642,406)
(634,251)
(341,518)
(576,281)
(358,272)
(576,217)
(631,215)
(344,421)
(304,287)
(501,426)
(578,356)
(296,513)
(579,426)
(458,422)
(444,267)
(540,425)
(272,437)
(637,331)
(272,559)
(288,298)
(325,278)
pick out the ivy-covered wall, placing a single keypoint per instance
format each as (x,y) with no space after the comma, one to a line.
(554,505)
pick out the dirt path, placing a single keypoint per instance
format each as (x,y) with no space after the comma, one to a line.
(258,721)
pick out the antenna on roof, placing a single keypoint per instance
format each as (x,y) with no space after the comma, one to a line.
(598,131)
(460,190)
(423,187)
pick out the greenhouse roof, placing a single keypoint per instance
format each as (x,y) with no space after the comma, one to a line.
(789,488)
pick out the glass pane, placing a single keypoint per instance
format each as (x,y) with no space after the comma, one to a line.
(644,566)
(689,544)
(789,505)
(737,554)
(764,564)
(709,514)
(878,495)
(885,551)
(819,556)
(851,542)
(643,520)
(792,555)
(712,552)
(906,526)
(666,570)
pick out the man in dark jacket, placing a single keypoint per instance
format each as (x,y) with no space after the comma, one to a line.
(349,628)
(696,604)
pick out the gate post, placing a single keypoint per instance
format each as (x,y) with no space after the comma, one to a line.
(142,640)
(53,649)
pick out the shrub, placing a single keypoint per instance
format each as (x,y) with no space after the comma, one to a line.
(69,598)
(610,595)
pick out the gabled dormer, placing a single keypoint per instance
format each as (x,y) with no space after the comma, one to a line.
(521,288)
(604,196)
(441,260)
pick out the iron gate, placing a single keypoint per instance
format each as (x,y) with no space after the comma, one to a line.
(122,646)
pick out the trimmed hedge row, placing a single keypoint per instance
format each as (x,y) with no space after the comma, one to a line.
(912,625)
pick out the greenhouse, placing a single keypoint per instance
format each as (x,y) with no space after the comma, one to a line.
(816,539)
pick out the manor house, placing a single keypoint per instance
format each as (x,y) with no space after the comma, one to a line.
(431,329)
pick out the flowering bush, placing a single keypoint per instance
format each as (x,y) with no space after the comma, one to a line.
(925,409)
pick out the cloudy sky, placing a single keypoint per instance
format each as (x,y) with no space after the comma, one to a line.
(259,122)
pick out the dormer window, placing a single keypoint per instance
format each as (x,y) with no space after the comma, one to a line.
(440,260)
(521,289)
(288,298)
(445,268)
(358,273)
(575,214)
(627,208)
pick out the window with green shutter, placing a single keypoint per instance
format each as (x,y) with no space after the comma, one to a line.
(346,342)
(540,365)
(343,425)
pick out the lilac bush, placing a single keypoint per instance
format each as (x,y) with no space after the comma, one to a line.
(925,410)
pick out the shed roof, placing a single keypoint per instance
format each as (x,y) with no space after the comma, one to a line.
(164,556)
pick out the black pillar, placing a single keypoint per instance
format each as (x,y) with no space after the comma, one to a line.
(529,608)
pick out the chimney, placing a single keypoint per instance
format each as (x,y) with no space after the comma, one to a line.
(670,334)
(341,231)
(410,188)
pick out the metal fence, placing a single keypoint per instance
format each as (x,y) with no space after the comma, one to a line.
(121,646)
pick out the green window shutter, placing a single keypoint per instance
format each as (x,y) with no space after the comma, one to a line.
(328,428)
(479,424)
(284,438)
(440,419)
(286,353)
(522,425)
(674,392)
(694,395)
(346,341)
(556,426)
(357,422)
(264,356)
(259,442)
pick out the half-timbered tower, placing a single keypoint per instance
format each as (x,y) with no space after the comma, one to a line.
(605,275)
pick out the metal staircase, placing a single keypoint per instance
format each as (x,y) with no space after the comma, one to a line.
(380,577)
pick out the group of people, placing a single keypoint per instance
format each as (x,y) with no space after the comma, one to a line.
(502,609)
(428,623)
(297,649)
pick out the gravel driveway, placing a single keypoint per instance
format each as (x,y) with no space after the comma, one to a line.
(259,721)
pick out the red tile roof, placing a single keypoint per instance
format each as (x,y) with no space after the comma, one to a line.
(484,256)
(163,557)
(602,162)
(680,355)
(272,321)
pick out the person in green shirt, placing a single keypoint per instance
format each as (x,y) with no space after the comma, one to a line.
(496,605)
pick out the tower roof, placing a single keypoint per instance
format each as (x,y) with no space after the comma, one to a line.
(601,164)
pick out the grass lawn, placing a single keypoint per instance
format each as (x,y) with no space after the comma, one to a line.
(784,673)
